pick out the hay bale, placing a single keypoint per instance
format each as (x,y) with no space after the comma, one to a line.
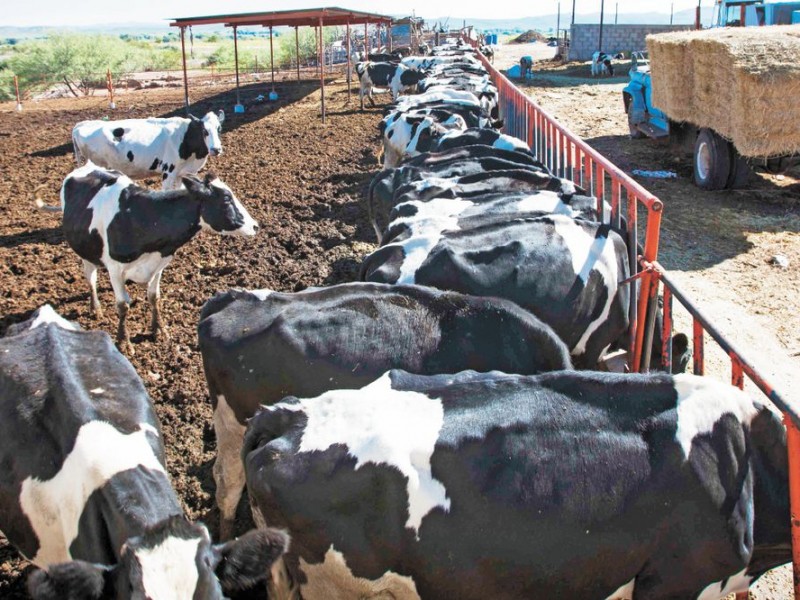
(741,82)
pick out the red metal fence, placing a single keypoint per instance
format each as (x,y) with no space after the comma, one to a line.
(569,156)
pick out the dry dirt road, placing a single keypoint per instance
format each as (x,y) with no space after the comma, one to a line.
(719,246)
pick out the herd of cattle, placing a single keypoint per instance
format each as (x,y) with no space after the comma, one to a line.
(437,430)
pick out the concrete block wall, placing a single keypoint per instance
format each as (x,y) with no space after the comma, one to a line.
(616,38)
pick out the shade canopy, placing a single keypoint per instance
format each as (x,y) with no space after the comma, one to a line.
(288,18)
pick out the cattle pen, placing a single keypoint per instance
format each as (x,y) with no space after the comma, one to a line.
(567,155)
(312,17)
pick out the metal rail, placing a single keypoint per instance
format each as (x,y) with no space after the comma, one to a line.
(569,156)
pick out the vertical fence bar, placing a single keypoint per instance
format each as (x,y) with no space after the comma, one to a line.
(699,351)
(349,65)
(793,446)
(737,374)
(633,244)
(110,86)
(16,91)
(600,188)
(666,332)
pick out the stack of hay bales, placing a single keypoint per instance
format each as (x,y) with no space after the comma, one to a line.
(744,83)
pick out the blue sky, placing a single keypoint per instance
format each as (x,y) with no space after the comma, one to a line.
(92,12)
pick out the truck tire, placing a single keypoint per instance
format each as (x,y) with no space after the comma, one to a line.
(634,131)
(712,161)
(740,170)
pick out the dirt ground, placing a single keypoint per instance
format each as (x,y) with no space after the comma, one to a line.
(303,182)
(300,179)
(719,246)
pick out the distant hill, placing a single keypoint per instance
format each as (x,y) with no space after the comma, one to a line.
(541,23)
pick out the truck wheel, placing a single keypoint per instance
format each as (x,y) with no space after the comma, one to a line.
(740,170)
(712,161)
(634,131)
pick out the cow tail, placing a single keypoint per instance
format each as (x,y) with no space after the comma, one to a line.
(40,204)
(76,150)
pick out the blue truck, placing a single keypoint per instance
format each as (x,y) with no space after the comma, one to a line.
(717,162)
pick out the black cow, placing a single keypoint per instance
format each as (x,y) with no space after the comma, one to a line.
(84,492)
(396,77)
(565,271)
(562,485)
(260,346)
(134,232)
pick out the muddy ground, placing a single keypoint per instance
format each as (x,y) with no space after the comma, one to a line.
(300,179)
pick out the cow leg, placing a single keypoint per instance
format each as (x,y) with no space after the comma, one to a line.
(228,468)
(123,300)
(371,99)
(361,96)
(90,271)
(154,298)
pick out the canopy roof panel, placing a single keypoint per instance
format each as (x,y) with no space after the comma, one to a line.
(291,18)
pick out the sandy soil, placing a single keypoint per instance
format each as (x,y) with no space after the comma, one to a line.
(717,245)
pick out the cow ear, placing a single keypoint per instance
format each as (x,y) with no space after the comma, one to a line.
(221,116)
(192,184)
(246,561)
(75,580)
(210,176)
(193,118)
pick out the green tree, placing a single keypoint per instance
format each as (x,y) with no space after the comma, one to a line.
(286,54)
(79,61)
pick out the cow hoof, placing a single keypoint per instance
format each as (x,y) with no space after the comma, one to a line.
(126,348)
(96,312)
(225,529)
(160,333)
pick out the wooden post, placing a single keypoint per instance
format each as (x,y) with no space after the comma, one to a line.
(297,49)
(271,59)
(697,24)
(321,60)
(600,41)
(110,87)
(349,64)
(16,91)
(185,77)
(238,107)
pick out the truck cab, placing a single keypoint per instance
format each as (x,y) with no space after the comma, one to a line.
(753,13)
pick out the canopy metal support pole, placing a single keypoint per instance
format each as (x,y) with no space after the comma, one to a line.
(366,41)
(297,49)
(349,64)
(322,69)
(185,77)
(236,64)
(271,59)
(389,35)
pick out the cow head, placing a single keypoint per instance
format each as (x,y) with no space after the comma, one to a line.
(202,136)
(42,316)
(212,127)
(174,560)
(220,209)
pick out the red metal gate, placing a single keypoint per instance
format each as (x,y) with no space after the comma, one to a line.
(569,156)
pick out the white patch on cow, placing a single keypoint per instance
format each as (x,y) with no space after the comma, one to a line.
(589,253)
(546,202)
(97,390)
(740,582)
(262,294)
(567,187)
(433,218)
(250,225)
(169,570)
(625,592)
(382,426)
(702,402)
(54,507)
(212,124)
(333,580)
(47,314)
(510,143)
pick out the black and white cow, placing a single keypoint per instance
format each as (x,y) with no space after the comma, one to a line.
(411,134)
(395,77)
(260,346)
(563,485)
(85,491)
(565,271)
(480,136)
(134,232)
(602,65)
(171,148)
